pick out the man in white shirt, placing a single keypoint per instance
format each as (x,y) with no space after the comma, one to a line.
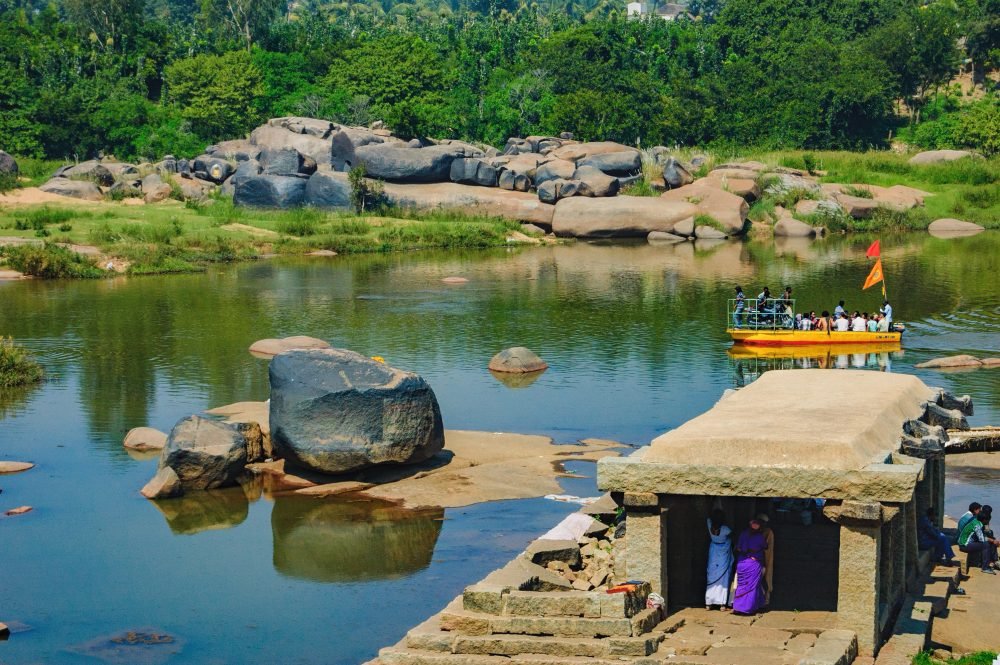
(858,325)
(842,324)
(886,311)
(883,324)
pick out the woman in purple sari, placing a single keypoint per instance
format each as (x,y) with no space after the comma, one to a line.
(750,569)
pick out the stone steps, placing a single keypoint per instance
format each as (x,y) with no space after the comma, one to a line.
(475,623)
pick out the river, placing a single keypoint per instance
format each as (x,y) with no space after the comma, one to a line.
(634,336)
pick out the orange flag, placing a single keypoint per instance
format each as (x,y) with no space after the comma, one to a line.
(874,251)
(875,276)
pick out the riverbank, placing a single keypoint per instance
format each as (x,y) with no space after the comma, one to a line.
(173,236)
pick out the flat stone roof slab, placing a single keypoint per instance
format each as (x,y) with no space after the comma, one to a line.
(803,419)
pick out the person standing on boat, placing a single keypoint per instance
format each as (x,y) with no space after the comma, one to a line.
(762,309)
(823,323)
(886,311)
(838,310)
(740,305)
(720,560)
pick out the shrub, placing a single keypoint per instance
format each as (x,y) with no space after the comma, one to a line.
(17,367)
(860,192)
(301,222)
(50,261)
(365,194)
(8,181)
(65,227)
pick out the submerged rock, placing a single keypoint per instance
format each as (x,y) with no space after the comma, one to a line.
(951,361)
(164,485)
(953,228)
(334,411)
(15,467)
(517,360)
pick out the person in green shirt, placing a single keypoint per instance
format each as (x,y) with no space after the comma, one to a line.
(974,509)
(973,539)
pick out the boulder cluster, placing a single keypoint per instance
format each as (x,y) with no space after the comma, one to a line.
(558,184)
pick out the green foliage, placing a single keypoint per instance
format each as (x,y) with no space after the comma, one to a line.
(640,188)
(216,93)
(948,123)
(365,194)
(49,261)
(860,192)
(17,367)
(979,658)
(301,222)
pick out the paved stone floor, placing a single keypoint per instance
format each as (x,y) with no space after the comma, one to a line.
(972,621)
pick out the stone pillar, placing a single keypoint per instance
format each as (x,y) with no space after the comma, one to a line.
(860,572)
(910,542)
(646,540)
(896,516)
(939,469)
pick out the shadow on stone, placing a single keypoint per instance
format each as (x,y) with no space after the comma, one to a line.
(341,541)
(206,510)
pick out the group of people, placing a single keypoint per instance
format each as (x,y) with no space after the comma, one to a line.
(752,558)
(974,536)
(777,312)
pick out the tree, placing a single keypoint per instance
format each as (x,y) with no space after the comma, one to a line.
(216,93)
(111,22)
(244,20)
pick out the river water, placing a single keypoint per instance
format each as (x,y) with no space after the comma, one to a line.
(634,336)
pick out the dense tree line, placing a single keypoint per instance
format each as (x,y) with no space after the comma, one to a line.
(140,78)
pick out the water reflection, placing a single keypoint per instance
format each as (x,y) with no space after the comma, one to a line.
(205,510)
(517,379)
(13,401)
(350,541)
(749,362)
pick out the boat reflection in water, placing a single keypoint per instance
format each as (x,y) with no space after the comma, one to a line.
(348,541)
(749,362)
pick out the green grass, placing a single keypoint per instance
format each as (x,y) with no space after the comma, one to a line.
(49,261)
(17,367)
(980,658)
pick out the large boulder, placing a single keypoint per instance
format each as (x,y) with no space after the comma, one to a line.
(623,163)
(473,171)
(250,168)
(91,170)
(277,136)
(618,217)
(470,200)
(77,189)
(215,169)
(286,161)
(396,163)
(953,228)
(206,453)
(724,207)
(270,191)
(513,181)
(595,183)
(517,360)
(8,165)
(938,156)
(675,175)
(857,207)
(577,151)
(238,150)
(122,170)
(300,125)
(789,227)
(326,189)
(553,169)
(335,411)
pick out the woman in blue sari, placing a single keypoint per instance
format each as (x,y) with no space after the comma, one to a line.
(750,569)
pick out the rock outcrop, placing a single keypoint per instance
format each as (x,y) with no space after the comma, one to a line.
(270,347)
(207,453)
(618,216)
(396,163)
(518,360)
(144,439)
(271,191)
(335,411)
(8,165)
(938,156)
(953,228)
(77,189)
(472,200)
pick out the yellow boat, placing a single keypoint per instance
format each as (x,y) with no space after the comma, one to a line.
(791,337)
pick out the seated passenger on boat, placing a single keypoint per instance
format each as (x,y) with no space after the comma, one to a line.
(858,324)
(842,324)
(823,323)
(873,323)
(884,323)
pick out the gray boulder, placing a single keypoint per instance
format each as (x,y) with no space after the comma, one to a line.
(206,453)
(624,163)
(247,169)
(473,171)
(548,191)
(270,191)
(286,161)
(91,170)
(789,227)
(516,146)
(663,237)
(595,183)
(239,150)
(675,175)
(213,169)
(514,182)
(556,168)
(122,170)
(396,163)
(279,135)
(344,141)
(334,411)
(77,189)
(328,190)
(517,360)
(947,418)
(8,165)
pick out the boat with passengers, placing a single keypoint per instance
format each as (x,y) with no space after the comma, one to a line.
(772,323)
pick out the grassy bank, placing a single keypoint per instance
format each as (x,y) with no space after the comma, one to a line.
(17,368)
(980,658)
(173,237)
(966,189)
